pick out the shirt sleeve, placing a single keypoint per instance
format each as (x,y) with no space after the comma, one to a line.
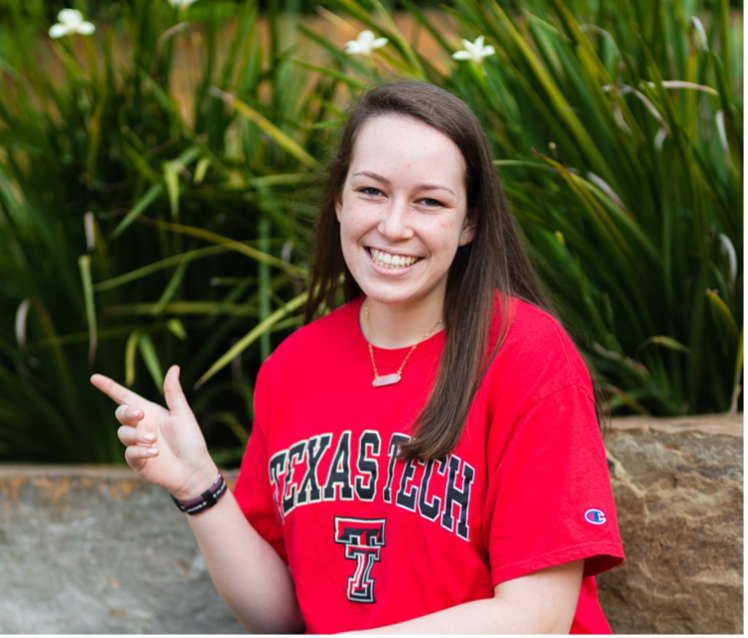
(549,496)
(253,490)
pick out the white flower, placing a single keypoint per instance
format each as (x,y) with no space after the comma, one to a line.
(474,51)
(364,44)
(71,21)
(181,4)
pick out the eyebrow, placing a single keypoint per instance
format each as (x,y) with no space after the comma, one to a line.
(421,187)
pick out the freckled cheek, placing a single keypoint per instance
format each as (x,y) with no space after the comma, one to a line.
(355,226)
(351,239)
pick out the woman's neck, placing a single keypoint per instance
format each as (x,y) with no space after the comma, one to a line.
(391,326)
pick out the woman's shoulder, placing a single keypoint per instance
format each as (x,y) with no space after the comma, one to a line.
(525,319)
(536,345)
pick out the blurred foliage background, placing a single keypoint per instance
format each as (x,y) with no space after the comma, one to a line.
(158,181)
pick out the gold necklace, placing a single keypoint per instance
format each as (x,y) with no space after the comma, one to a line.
(395,377)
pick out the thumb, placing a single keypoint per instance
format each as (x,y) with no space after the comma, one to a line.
(175,399)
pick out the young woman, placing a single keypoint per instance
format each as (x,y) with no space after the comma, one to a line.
(427,457)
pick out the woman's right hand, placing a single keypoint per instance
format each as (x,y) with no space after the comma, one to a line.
(166,447)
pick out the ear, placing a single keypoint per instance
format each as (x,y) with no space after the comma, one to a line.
(339,205)
(468,230)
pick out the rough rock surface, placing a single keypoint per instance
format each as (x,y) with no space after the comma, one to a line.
(97,550)
(678,486)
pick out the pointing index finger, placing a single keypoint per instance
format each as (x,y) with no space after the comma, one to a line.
(114,390)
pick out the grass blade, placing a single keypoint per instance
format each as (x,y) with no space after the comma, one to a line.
(154,192)
(84,263)
(252,336)
(266,126)
(148,352)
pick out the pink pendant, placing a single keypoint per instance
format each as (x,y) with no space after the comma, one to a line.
(387,379)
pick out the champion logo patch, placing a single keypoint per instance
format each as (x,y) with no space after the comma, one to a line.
(595,516)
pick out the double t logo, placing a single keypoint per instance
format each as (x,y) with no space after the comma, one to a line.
(363,540)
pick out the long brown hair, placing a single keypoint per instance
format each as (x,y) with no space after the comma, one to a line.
(494,260)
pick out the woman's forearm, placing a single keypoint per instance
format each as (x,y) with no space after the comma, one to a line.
(247,572)
(489,616)
(542,602)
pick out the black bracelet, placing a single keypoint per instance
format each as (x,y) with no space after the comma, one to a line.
(206,500)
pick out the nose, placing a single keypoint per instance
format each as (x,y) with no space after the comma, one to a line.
(396,222)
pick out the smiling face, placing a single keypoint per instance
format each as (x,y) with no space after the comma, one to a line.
(403,212)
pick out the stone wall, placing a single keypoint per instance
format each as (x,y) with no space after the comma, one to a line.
(678,486)
(96,550)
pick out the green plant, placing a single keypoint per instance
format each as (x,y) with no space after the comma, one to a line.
(142,226)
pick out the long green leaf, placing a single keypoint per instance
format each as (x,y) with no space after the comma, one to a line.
(251,337)
(154,192)
(724,313)
(84,263)
(266,126)
(171,288)
(148,352)
(130,351)
(563,108)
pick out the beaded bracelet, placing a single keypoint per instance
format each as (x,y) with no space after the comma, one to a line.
(206,500)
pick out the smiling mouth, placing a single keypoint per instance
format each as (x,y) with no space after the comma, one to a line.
(388,260)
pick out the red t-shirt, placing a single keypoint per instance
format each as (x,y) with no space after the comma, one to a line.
(372,540)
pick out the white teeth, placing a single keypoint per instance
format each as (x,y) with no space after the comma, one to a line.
(388,260)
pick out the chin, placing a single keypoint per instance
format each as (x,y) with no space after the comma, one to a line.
(375,293)
(402,298)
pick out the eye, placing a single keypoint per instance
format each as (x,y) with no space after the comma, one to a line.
(429,202)
(370,191)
